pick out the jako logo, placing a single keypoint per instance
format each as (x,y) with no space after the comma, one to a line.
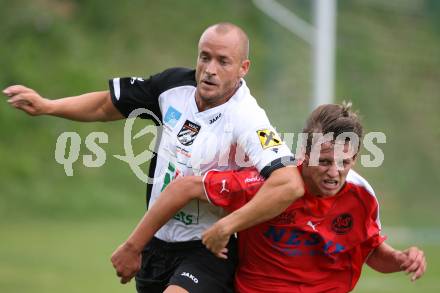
(215,118)
(253,179)
(188,275)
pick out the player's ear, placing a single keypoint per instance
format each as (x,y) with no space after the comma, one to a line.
(355,159)
(244,68)
(306,160)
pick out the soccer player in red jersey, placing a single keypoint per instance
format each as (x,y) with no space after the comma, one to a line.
(318,244)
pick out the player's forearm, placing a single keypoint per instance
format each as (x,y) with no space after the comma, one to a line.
(94,106)
(384,259)
(170,201)
(282,188)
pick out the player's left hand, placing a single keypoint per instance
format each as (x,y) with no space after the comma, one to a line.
(413,262)
(215,239)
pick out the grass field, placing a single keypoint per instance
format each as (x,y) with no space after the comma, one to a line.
(65,256)
(53,256)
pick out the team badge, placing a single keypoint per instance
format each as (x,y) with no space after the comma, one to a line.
(268,138)
(172,116)
(342,224)
(188,133)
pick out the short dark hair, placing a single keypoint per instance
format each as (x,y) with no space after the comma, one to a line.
(332,118)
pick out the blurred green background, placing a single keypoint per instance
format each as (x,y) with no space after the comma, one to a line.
(57,232)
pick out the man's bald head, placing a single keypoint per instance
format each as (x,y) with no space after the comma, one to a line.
(226,28)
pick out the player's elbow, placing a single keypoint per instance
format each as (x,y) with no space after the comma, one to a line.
(283,196)
(192,187)
(283,187)
(294,189)
(288,192)
(291,184)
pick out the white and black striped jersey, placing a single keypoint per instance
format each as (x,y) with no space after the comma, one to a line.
(232,135)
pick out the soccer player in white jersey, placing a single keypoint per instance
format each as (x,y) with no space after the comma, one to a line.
(193,105)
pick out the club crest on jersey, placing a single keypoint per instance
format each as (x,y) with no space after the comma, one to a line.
(268,138)
(188,133)
(342,224)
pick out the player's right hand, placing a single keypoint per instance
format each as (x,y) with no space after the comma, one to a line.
(216,239)
(27,100)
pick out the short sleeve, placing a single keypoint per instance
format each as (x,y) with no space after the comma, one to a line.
(268,151)
(372,243)
(373,235)
(263,145)
(232,189)
(131,93)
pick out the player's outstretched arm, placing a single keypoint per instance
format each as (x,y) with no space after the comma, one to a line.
(126,259)
(95,106)
(386,259)
(282,187)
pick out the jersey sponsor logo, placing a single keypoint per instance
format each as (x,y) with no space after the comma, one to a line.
(253,179)
(268,138)
(185,218)
(190,276)
(172,116)
(296,242)
(134,79)
(170,174)
(342,224)
(211,121)
(183,151)
(188,133)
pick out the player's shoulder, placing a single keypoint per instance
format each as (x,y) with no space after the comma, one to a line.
(365,194)
(179,73)
(244,97)
(360,183)
(174,77)
(245,110)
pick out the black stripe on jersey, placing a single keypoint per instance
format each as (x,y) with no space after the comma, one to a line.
(152,167)
(151,170)
(277,164)
(137,93)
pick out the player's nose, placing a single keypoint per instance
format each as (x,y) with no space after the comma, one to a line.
(211,68)
(332,171)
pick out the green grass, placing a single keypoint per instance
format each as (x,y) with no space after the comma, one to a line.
(61,256)
(73,256)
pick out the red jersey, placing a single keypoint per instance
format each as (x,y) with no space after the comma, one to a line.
(315,245)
